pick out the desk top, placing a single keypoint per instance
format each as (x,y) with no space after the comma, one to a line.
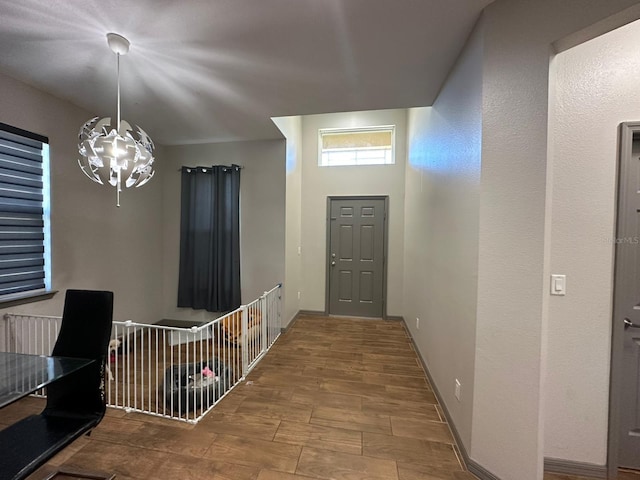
(22,374)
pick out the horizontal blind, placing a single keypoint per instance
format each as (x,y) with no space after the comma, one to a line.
(22,265)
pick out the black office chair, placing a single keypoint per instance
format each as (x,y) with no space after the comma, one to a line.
(76,403)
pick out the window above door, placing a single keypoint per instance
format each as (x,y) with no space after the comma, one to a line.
(356,146)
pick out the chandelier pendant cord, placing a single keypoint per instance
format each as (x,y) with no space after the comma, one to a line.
(118,187)
(118,81)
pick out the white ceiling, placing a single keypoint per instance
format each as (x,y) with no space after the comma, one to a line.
(217,70)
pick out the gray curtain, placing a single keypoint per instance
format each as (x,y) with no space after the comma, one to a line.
(209,275)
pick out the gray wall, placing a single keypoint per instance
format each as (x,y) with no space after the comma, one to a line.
(320,182)
(291,128)
(584,136)
(441,231)
(506,220)
(262,205)
(134,250)
(513,267)
(95,245)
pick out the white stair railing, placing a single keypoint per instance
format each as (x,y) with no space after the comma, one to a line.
(173,372)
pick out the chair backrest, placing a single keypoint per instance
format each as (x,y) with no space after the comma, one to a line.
(85,333)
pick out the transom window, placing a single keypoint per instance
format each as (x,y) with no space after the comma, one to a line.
(25,258)
(356,146)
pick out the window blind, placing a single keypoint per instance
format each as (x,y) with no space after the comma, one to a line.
(22,222)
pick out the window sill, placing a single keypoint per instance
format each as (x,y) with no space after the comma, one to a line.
(27,297)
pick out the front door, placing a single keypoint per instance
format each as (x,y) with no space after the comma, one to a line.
(355,260)
(626,326)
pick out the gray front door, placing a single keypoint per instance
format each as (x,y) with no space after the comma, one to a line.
(626,326)
(356,256)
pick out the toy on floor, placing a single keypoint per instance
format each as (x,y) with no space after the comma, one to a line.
(190,386)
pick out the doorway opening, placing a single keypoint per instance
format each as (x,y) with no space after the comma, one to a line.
(624,414)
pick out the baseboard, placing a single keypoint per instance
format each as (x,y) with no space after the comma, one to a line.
(299,313)
(568,467)
(551,465)
(477,469)
(290,324)
(286,329)
(311,313)
(316,313)
(473,466)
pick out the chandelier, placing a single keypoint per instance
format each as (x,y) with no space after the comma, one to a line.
(115,153)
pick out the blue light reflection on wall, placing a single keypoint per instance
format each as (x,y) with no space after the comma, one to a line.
(438,146)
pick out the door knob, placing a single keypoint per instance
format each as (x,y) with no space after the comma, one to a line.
(333,255)
(629,324)
(333,264)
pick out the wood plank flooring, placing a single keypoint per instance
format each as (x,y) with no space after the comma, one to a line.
(335,398)
(622,475)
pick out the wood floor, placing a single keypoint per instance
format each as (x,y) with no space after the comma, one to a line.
(622,475)
(335,398)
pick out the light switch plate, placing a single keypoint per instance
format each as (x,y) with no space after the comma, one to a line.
(558,284)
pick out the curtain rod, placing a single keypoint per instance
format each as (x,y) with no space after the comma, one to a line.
(195,168)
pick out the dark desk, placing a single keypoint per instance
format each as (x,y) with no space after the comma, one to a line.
(28,443)
(22,374)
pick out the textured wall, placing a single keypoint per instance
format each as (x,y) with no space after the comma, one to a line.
(262,215)
(513,288)
(291,128)
(595,90)
(320,182)
(441,231)
(95,245)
